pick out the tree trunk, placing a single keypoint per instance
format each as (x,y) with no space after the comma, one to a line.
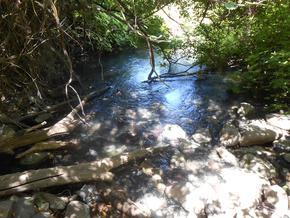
(152,58)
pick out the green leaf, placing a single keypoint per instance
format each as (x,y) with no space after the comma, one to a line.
(231,5)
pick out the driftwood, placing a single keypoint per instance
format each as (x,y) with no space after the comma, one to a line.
(56,176)
(64,126)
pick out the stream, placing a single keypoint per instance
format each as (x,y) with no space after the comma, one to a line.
(191,175)
(132,114)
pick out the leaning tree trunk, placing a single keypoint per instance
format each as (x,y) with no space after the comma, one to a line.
(152,58)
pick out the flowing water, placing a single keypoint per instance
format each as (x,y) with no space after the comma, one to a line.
(132,114)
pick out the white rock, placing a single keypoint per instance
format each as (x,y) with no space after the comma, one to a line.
(261,167)
(229,136)
(202,136)
(277,197)
(189,196)
(240,190)
(221,194)
(245,109)
(279,120)
(257,132)
(226,156)
(151,203)
(172,133)
(76,209)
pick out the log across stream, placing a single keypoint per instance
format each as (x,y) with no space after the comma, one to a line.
(57,176)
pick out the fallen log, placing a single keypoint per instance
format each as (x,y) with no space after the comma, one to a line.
(64,126)
(56,176)
(48,145)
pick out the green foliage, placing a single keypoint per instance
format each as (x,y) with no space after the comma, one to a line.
(39,37)
(255,37)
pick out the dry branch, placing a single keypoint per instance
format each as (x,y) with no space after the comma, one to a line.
(56,176)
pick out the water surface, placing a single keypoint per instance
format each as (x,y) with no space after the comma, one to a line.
(131,115)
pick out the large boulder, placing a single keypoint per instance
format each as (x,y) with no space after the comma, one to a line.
(259,166)
(257,132)
(279,120)
(213,184)
(229,135)
(219,195)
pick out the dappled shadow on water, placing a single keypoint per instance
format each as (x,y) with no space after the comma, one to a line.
(132,115)
(135,115)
